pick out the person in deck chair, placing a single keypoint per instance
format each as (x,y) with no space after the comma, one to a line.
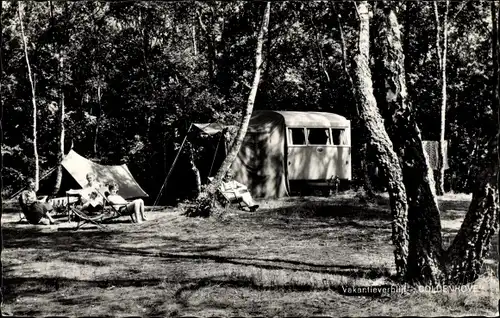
(233,189)
(36,211)
(135,208)
(90,198)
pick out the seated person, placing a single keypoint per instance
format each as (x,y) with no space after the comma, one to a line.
(36,211)
(233,189)
(90,200)
(134,208)
(92,181)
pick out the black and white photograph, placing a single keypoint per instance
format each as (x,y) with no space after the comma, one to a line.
(333,158)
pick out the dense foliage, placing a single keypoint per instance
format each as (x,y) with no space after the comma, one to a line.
(137,74)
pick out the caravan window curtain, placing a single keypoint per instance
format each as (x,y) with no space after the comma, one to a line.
(318,136)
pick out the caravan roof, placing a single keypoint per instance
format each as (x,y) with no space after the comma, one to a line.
(267,120)
(263,120)
(313,119)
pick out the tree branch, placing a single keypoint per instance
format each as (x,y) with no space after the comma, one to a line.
(317,45)
(464,3)
(356,7)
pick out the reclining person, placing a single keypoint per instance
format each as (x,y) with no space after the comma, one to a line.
(134,208)
(36,211)
(233,189)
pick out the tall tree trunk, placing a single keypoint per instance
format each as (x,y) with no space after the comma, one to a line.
(366,177)
(495,22)
(1,108)
(467,251)
(425,241)
(210,43)
(98,119)
(226,164)
(195,47)
(497,93)
(60,155)
(442,48)
(465,256)
(380,142)
(407,28)
(428,263)
(33,96)
(206,198)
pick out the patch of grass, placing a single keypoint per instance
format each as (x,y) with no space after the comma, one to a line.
(294,257)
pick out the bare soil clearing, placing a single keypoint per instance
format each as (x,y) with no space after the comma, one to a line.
(294,257)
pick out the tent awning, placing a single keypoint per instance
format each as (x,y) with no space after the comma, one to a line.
(210,128)
(78,167)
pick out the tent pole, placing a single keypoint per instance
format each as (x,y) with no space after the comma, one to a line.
(172,167)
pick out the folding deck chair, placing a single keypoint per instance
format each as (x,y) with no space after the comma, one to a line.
(85,218)
(108,213)
(117,213)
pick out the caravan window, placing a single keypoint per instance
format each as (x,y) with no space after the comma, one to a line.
(338,137)
(318,136)
(297,136)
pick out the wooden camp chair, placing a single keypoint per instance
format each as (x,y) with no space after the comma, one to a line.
(225,198)
(230,198)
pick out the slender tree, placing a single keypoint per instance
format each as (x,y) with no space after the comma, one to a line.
(424,221)
(442,51)
(206,198)
(61,108)
(33,94)
(380,141)
(428,262)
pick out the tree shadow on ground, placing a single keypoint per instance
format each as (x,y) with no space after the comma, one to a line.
(331,210)
(183,294)
(32,286)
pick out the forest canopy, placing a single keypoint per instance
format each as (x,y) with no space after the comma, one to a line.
(132,76)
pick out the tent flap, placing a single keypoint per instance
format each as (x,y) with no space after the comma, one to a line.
(210,128)
(260,162)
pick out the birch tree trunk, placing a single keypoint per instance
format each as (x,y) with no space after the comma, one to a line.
(206,199)
(428,263)
(60,155)
(380,142)
(98,119)
(195,48)
(465,255)
(425,241)
(33,96)
(442,49)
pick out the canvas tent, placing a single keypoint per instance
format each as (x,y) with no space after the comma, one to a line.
(76,168)
(271,158)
